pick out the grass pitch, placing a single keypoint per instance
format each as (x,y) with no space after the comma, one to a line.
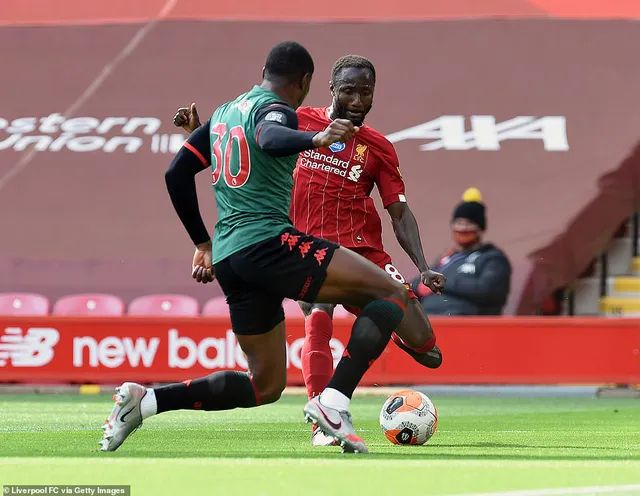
(550,447)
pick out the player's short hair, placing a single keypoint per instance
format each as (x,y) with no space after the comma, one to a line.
(288,60)
(349,61)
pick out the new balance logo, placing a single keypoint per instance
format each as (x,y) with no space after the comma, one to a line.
(449,132)
(32,349)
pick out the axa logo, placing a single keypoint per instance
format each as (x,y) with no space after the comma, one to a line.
(484,133)
(337,147)
(31,349)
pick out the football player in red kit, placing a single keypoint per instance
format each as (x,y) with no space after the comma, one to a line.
(331,199)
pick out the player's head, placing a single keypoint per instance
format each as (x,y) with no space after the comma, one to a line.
(290,65)
(353,80)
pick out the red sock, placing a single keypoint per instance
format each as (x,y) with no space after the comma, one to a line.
(317,361)
(428,346)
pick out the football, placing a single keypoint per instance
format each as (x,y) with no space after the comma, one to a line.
(408,417)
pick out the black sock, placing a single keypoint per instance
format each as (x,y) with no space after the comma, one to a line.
(369,337)
(218,391)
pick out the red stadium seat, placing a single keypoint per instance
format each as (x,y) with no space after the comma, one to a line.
(27,304)
(216,307)
(85,305)
(165,305)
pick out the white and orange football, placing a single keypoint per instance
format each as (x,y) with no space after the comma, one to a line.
(408,417)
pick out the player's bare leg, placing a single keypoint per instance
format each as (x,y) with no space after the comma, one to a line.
(267,362)
(225,390)
(316,357)
(354,280)
(415,336)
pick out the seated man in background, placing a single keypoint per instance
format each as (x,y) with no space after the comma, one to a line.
(478,274)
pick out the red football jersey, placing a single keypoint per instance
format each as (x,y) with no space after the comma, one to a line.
(332,186)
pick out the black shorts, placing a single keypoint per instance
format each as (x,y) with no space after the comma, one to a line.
(256,279)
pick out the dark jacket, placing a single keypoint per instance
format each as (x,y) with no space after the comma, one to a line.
(477,283)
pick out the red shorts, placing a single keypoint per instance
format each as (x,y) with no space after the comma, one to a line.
(382,260)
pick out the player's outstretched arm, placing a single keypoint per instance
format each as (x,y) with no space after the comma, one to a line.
(407,233)
(277,132)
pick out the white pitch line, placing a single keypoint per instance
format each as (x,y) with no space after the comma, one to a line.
(567,491)
(27,158)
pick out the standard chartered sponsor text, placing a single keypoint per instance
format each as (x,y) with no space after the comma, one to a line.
(324,162)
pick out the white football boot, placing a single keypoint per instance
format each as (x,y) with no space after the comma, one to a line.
(335,423)
(319,438)
(125,417)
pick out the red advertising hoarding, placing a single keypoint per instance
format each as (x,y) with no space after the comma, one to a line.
(476,351)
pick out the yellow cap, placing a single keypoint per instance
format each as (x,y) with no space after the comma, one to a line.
(472,195)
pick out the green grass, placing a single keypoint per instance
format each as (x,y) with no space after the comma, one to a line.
(482,445)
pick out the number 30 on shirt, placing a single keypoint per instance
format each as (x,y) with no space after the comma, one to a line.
(222,158)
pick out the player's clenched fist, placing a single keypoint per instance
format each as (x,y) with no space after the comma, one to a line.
(433,280)
(187,118)
(339,130)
